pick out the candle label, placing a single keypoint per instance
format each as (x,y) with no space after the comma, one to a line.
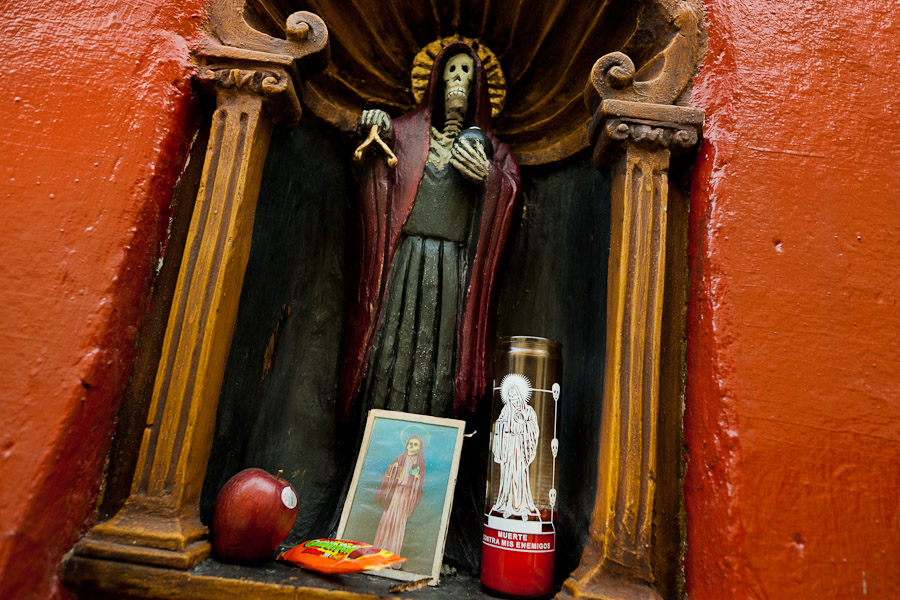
(519,542)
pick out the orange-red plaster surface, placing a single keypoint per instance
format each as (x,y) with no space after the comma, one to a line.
(793,398)
(792,414)
(96,113)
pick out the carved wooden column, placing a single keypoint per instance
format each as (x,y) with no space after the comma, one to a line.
(635,131)
(254,86)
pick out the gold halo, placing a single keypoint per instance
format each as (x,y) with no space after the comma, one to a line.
(406,441)
(422,63)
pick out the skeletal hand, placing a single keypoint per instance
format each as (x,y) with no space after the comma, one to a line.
(469,159)
(377,117)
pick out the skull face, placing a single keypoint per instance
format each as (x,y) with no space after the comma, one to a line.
(458,74)
(515,399)
(412,447)
(553,497)
(554,447)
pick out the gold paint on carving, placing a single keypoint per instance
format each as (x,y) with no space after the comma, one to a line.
(424,59)
(621,522)
(617,563)
(159,523)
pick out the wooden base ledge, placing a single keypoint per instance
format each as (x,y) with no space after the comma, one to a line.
(106,549)
(606,587)
(212,580)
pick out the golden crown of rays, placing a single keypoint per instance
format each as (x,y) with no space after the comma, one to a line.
(514,379)
(422,63)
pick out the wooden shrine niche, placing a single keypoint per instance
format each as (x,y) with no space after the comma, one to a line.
(591,100)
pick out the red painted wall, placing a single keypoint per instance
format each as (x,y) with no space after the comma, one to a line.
(792,420)
(793,398)
(96,118)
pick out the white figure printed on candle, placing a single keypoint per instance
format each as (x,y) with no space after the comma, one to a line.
(515,446)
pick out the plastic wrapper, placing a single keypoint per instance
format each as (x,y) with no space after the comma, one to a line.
(339,556)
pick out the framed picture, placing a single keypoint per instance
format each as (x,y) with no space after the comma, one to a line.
(402,490)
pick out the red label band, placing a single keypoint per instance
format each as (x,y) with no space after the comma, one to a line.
(519,542)
(516,563)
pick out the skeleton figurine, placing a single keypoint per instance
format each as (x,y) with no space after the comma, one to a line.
(435,220)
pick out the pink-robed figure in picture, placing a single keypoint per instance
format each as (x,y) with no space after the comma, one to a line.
(399,495)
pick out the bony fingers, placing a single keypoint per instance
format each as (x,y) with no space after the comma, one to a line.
(468,171)
(463,168)
(476,155)
(482,166)
(468,163)
(471,146)
(374,118)
(475,147)
(462,151)
(459,164)
(474,164)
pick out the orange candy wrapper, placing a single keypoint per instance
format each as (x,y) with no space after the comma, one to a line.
(339,556)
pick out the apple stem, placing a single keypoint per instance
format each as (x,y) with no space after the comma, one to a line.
(278,475)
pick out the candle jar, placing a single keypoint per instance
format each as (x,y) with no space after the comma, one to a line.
(519,538)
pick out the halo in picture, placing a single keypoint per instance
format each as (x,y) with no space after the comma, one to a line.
(426,439)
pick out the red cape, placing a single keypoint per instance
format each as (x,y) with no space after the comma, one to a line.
(385,201)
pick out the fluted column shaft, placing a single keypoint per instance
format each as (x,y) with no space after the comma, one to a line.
(637,139)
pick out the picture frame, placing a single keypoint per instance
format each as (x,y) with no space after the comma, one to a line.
(401,493)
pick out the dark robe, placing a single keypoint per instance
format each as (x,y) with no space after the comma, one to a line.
(410,366)
(386,201)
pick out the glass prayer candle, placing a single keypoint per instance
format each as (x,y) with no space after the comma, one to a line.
(519,539)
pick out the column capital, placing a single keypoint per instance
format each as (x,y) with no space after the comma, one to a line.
(272,84)
(651,126)
(665,77)
(639,107)
(237,59)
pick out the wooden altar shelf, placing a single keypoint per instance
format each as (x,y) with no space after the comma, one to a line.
(213,580)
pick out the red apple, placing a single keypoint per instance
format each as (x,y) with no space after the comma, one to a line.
(254,512)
